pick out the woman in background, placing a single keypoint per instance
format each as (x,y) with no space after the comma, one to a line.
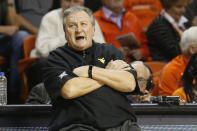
(166,29)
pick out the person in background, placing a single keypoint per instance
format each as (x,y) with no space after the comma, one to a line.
(165,31)
(87,81)
(188,92)
(145,82)
(116,22)
(145,10)
(11,39)
(172,72)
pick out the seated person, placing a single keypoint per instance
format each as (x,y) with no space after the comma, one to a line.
(88,81)
(171,74)
(188,92)
(11,39)
(165,31)
(145,10)
(145,82)
(51,34)
(115,22)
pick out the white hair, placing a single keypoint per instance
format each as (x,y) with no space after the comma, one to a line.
(188,38)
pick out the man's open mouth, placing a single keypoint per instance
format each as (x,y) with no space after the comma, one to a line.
(80,38)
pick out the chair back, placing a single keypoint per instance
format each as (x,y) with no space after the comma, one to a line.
(28,45)
(24,64)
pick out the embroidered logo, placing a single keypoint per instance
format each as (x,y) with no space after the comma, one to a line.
(62,74)
(102,60)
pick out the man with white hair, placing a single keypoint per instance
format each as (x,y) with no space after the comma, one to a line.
(168,81)
(144,80)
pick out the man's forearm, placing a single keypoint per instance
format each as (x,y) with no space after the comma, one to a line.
(79,86)
(117,79)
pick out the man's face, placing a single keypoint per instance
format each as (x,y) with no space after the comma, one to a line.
(114,5)
(79,30)
(69,3)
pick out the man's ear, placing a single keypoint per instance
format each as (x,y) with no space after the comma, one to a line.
(191,49)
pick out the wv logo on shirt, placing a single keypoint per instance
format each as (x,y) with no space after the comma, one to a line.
(62,75)
(102,60)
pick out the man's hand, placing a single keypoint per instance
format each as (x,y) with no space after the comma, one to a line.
(136,53)
(125,50)
(81,71)
(118,65)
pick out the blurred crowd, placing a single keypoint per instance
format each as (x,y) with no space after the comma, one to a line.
(146,31)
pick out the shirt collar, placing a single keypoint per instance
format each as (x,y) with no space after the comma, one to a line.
(180,23)
(108,13)
(88,50)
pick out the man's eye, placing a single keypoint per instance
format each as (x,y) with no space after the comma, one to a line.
(70,26)
(83,24)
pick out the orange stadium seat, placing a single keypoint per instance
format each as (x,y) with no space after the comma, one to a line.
(28,45)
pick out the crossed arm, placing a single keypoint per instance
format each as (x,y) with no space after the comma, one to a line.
(115,75)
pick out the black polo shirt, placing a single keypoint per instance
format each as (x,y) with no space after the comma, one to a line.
(103,108)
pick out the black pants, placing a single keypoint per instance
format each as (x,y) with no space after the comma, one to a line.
(126,126)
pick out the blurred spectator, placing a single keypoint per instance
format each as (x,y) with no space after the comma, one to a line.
(171,74)
(191,14)
(51,34)
(188,92)
(33,10)
(145,10)
(145,82)
(11,39)
(165,31)
(115,22)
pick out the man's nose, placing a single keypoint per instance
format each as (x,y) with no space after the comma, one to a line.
(79,29)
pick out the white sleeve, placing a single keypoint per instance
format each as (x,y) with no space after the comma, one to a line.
(51,35)
(98,35)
